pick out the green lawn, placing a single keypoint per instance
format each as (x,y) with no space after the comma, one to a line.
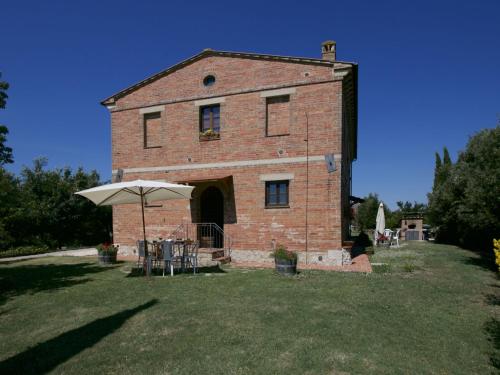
(427,309)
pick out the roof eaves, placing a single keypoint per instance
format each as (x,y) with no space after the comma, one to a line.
(111,99)
(209,52)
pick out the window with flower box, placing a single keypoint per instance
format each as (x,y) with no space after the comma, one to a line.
(210,122)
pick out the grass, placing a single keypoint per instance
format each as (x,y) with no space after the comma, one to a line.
(426,309)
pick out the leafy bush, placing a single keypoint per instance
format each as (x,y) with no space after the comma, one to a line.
(363,240)
(107,249)
(24,250)
(496,250)
(39,207)
(281,252)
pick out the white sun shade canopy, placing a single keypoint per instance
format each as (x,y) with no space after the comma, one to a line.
(380,221)
(131,192)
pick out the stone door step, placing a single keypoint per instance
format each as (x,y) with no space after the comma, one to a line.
(223,260)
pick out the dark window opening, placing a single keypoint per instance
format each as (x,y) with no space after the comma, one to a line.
(209,80)
(277,194)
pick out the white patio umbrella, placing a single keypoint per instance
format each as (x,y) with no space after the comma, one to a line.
(138,191)
(380,222)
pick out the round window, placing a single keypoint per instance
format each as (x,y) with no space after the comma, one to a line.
(209,80)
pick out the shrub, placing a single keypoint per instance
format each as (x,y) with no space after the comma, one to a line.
(496,250)
(281,252)
(363,240)
(24,250)
(107,249)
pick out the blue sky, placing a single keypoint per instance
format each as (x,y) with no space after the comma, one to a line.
(429,72)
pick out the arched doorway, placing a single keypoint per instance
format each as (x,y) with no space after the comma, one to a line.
(211,211)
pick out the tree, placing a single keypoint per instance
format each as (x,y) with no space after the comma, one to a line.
(367,212)
(9,202)
(437,169)
(465,204)
(4,86)
(57,217)
(43,209)
(5,152)
(446,158)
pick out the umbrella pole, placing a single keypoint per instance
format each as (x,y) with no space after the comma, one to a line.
(148,268)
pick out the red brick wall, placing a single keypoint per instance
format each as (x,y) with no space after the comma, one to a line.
(232,75)
(152,125)
(278,115)
(316,103)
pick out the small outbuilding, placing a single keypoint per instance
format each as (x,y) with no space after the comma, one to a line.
(412,226)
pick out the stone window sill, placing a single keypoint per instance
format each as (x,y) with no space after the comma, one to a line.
(206,138)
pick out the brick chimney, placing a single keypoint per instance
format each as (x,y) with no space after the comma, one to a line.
(329,50)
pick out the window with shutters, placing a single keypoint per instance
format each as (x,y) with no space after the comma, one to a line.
(277,194)
(278,115)
(152,130)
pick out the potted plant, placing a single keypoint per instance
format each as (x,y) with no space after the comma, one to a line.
(209,134)
(285,261)
(106,253)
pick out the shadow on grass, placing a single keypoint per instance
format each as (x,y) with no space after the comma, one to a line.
(49,354)
(137,272)
(493,299)
(481,261)
(22,279)
(492,328)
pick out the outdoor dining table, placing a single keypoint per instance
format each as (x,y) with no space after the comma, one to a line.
(155,254)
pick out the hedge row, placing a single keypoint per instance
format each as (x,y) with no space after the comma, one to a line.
(24,250)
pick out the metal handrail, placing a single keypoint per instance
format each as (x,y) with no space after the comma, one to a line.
(209,235)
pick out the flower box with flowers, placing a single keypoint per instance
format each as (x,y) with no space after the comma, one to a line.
(106,253)
(209,135)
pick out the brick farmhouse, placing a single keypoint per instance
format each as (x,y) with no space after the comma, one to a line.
(268,142)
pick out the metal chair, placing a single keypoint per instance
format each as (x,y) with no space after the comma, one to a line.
(191,256)
(141,251)
(167,249)
(155,252)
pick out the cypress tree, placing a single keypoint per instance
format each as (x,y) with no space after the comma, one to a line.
(446,158)
(437,171)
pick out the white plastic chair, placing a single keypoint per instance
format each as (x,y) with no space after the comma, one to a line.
(395,238)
